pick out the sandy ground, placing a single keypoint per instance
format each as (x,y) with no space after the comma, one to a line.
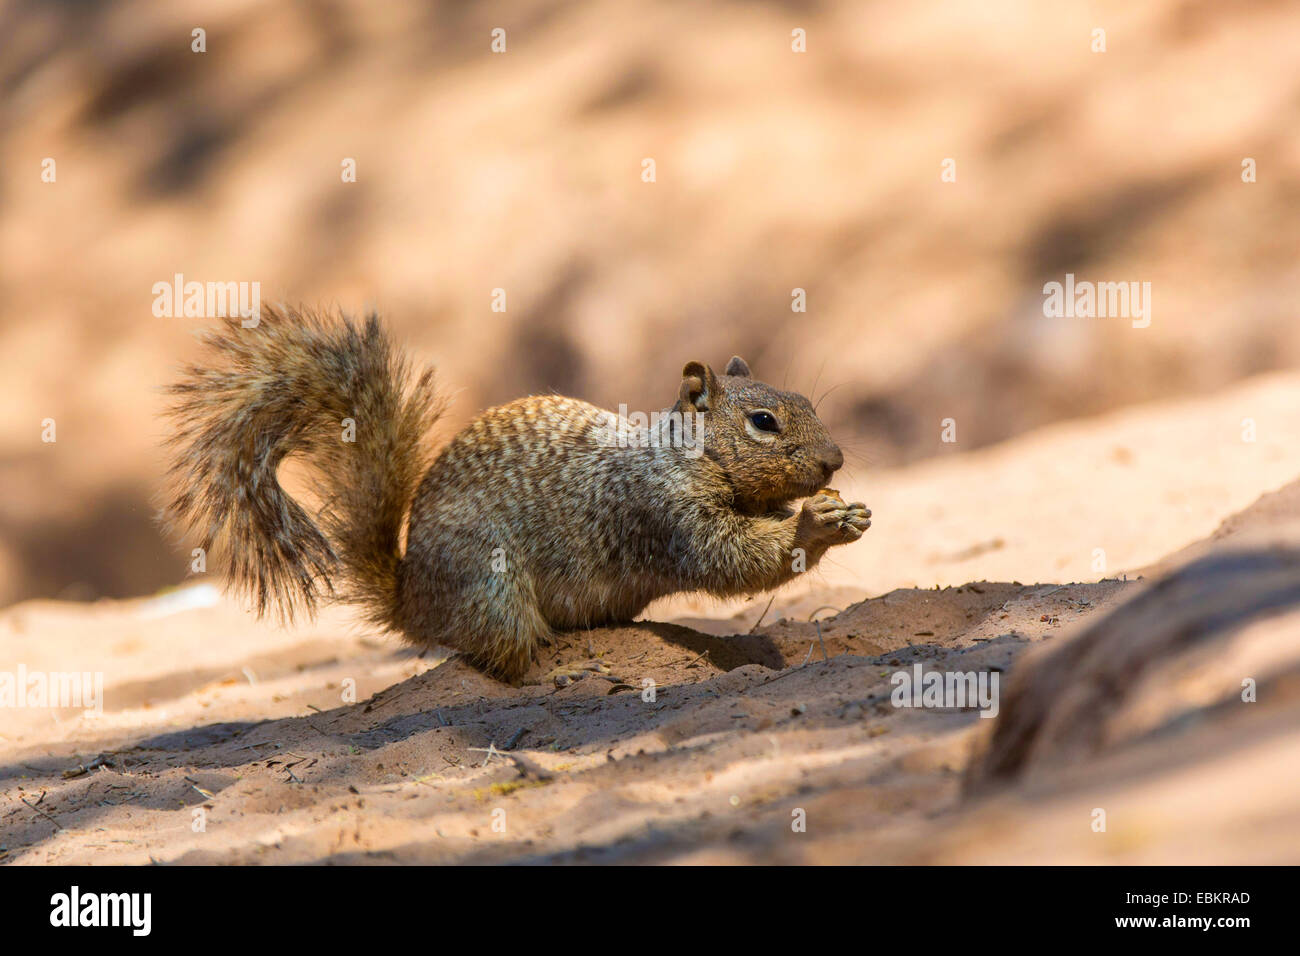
(222,740)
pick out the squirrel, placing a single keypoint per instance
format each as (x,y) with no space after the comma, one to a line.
(541,515)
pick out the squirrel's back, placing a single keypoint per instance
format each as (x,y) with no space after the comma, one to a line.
(551,495)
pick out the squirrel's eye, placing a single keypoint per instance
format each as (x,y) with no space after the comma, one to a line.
(763,421)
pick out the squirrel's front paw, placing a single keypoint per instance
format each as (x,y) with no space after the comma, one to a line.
(827,519)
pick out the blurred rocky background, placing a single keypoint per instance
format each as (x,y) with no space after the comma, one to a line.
(522,171)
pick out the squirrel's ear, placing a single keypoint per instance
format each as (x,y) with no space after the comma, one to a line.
(699,385)
(738,367)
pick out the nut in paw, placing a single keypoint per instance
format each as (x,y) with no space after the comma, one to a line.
(829,519)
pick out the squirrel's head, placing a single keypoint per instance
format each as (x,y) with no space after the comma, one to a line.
(771,444)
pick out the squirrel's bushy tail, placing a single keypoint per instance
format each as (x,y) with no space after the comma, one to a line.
(289,386)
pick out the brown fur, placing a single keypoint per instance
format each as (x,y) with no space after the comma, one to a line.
(545,513)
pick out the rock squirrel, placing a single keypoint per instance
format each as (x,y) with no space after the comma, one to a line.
(546,513)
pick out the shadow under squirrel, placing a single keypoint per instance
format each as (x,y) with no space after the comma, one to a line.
(542,514)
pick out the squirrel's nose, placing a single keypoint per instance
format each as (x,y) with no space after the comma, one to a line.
(832,459)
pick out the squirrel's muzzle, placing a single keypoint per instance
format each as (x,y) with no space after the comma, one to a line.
(831,460)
